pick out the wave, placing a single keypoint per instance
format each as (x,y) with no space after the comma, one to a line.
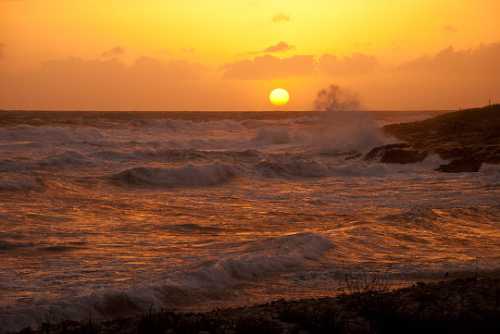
(177,155)
(260,259)
(50,134)
(416,217)
(21,183)
(191,228)
(185,176)
(252,261)
(14,165)
(9,245)
(273,136)
(163,155)
(292,168)
(65,159)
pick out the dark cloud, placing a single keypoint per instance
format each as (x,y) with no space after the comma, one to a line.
(280,47)
(280,18)
(352,65)
(114,52)
(270,67)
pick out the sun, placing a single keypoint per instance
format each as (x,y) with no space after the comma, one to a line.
(279,97)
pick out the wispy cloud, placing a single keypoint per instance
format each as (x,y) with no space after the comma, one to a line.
(270,67)
(114,52)
(355,64)
(281,18)
(450,28)
(280,47)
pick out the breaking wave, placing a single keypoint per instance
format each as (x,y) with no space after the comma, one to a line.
(262,258)
(253,261)
(66,159)
(292,168)
(21,183)
(186,176)
(48,134)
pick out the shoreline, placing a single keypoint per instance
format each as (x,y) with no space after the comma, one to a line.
(460,305)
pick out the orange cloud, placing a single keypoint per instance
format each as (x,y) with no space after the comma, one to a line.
(280,18)
(449,79)
(105,84)
(482,61)
(351,65)
(280,47)
(114,52)
(270,67)
(449,28)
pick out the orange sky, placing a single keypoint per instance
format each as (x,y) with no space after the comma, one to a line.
(210,55)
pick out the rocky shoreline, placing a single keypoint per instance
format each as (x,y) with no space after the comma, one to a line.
(466,138)
(458,306)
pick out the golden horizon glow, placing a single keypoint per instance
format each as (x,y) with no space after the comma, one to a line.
(279,97)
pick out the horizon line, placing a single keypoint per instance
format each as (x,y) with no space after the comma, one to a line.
(227,110)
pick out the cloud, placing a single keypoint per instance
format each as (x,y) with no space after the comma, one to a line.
(174,70)
(481,61)
(270,67)
(449,79)
(281,18)
(450,29)
(114,52)
(105,83)
(351,65)
(280,47)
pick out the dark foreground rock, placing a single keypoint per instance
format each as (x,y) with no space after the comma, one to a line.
(468,138)
(459,306)
(396,154)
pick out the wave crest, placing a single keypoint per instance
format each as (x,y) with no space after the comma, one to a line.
(21,183)
(185,176)
(262,258)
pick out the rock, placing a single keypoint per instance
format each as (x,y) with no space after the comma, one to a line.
(465,136)
(396,154)
(464,165)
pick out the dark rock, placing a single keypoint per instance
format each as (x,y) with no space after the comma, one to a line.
(465,165)
(468,136)
(396,154)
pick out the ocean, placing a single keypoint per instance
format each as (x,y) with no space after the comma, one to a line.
(106,212)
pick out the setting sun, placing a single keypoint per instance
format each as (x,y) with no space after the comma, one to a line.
(279,97)
(249,166)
